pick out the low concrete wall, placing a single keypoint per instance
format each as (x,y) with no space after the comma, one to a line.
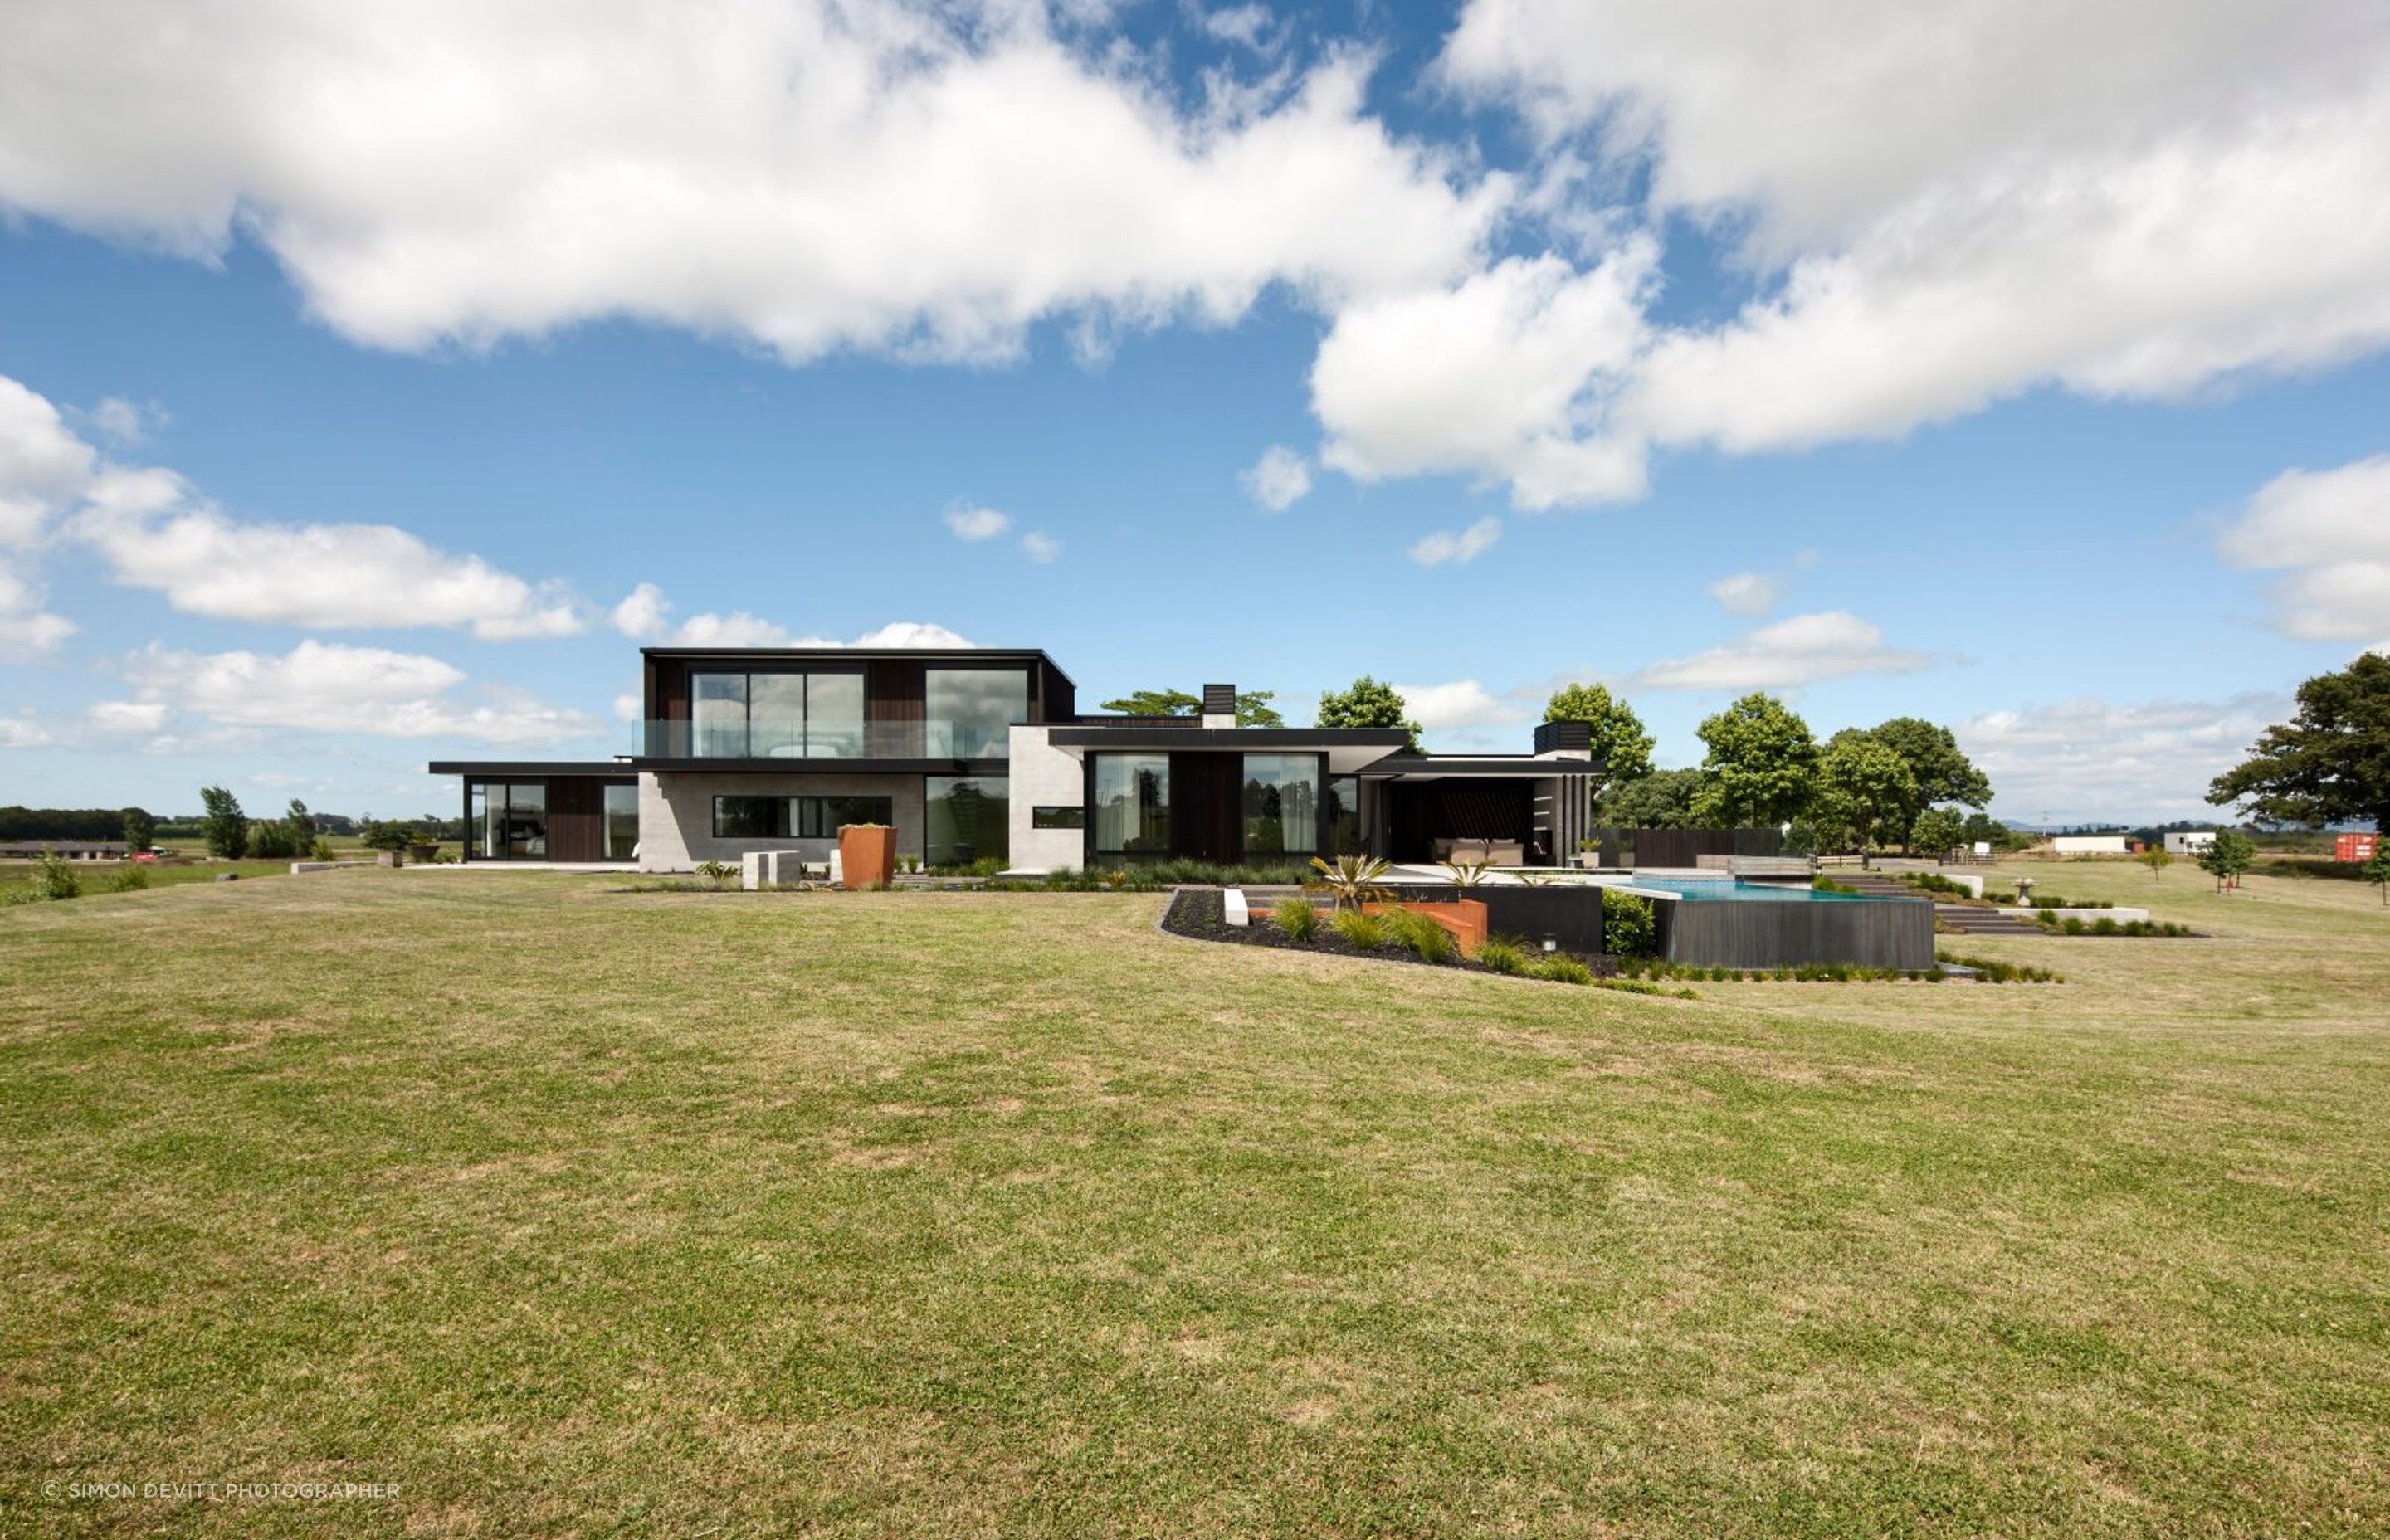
(1862,933)
(2119,915)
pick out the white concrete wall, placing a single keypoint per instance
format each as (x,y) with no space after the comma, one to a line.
(677,814)
(2088,844)
(1042,774)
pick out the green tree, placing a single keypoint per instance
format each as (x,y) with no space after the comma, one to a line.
(1982,828)
(2157,858)
(1619,739)
(302,824)
(2230,854)
(1155,703)
(1761,766)
(269,839)
(1368,703)
(2331,763)
(386,834)
(1662,799)
(1943,773)
(1864,787)
(140,829)
(224,825)
(2377,871)
(1937,832)
(1253,708)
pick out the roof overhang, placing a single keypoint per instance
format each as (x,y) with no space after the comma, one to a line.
(1349,750)
(620,769)
(1429,768)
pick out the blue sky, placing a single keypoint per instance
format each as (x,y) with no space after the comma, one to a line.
(338,453)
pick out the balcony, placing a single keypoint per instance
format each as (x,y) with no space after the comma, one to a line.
(848,741)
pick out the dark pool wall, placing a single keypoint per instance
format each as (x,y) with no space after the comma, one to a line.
(1889,933)
(1570,915)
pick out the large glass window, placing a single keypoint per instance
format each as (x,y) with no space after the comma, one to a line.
(1345,815)
(509,820)
(1133,804)
(969,819)
(796,817)
(717,704)
(971,711)
(1281,804)
(777,714)
(622,832)
(834,716)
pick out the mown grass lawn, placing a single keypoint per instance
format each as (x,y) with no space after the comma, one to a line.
(575,1211)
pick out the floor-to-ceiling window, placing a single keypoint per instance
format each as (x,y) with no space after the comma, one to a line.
(971,711)
(777,713)
(1281,804)
(621,833)
(1345,815)
(969,818)
(508,820)
(1132,804)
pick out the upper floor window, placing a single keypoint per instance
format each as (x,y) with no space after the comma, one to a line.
(971,711)
(776,714)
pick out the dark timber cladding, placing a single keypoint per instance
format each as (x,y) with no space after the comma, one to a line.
(577,818)
(1883,933)
(893,686)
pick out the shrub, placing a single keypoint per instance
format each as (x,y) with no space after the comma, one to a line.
(1504,955)
(2074,926)
(1626,924)
(720,873)
(1424,938)
(54,878)
(1628,986)
(321,851)
(2103,926)
(129,879)
(1365,931)
(1297,918)
(270,840)
(1564,970)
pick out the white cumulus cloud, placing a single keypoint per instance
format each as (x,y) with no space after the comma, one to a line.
(2329,531)
(1802,650)
(972,522)
(1458,545)
(2087,759)
(1504,376)
(810,174)
(1459,704)
(1945,206)
(1744,593)
(1040,546)
(332,687)
(1280,478)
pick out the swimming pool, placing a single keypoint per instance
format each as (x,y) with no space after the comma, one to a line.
(1696,889)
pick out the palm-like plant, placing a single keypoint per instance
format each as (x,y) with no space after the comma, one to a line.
(1468,874)
(1352,879)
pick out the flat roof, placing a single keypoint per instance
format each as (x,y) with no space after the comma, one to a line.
(873,654)
(1484,766)
(529,767)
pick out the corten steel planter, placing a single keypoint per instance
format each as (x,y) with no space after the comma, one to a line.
(1464,918)
(867,855)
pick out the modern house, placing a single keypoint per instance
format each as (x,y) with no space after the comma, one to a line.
(981,753)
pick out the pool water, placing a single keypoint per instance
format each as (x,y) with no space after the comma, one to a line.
(1692,890)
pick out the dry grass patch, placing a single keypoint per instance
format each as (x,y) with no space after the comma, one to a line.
(576,1211)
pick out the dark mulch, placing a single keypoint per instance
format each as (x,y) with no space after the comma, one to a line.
(1200,915)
